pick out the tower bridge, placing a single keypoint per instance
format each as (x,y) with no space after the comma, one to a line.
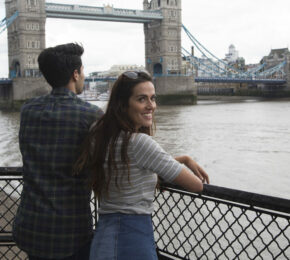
(164,56)
(162,29)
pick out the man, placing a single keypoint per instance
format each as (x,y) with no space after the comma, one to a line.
(54,219)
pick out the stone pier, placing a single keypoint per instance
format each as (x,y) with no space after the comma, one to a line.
(163,54)
(175,90)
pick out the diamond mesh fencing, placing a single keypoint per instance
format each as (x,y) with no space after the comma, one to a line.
(10,251)
(10,190)
(220,223)
(193,226)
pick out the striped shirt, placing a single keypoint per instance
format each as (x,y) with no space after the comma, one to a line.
(135,196)
(54,216)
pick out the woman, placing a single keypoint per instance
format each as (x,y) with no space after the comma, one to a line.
(125,162)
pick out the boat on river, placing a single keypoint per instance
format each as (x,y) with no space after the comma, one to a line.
(104,96)
(88,95)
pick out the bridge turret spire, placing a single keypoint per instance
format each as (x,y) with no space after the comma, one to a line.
(146,5)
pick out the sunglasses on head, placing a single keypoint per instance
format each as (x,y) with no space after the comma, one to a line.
(134,74)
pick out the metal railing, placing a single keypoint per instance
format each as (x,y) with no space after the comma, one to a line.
(220,223)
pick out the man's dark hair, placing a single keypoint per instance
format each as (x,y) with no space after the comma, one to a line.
(58,63)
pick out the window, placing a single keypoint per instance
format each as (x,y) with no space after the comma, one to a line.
(172,64)
(172,48)
(31,3)
(35,26)
(31,60)
(171,2)
(28,26)
(33,44)
(27,73)
(32,26)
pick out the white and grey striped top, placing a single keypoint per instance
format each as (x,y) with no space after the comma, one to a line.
(146,159)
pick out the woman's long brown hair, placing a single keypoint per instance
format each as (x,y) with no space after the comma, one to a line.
(102,138)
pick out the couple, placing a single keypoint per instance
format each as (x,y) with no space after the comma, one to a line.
(70,147)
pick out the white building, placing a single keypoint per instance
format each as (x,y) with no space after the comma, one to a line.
(233,54)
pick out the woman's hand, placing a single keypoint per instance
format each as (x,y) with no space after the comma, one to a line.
(194,167)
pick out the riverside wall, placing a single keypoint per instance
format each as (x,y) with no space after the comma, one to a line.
(242,89)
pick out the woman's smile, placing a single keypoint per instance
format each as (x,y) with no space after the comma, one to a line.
(142,104)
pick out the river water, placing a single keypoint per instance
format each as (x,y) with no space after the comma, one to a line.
(242,145)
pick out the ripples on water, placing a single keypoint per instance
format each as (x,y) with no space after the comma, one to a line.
(243,145)
(9,149)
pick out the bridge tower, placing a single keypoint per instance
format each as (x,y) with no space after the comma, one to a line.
(163,39)
(163,53)
(26,39)
(26,36)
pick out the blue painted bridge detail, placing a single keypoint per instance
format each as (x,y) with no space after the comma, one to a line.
(240,80)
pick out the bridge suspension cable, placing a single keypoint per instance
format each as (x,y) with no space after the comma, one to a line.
(4,24)
(257,69)
(201,47)
(196,61)
(227,70)
(277,68)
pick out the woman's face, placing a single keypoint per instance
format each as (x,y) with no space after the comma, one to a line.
(142,104)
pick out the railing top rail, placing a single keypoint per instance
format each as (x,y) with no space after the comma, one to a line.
(252,200)
(10,171)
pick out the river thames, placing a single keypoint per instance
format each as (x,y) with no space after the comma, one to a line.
(242,145)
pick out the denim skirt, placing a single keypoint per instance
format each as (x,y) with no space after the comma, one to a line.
(123,237)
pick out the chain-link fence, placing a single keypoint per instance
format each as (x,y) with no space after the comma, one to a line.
(220,223)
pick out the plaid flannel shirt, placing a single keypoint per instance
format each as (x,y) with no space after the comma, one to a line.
(54,216)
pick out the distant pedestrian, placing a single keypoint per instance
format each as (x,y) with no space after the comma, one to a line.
(124,162)
(54,219)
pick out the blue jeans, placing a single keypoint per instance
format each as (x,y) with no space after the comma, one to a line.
(123,237)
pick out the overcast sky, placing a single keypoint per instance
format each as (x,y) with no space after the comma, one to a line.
(253,26)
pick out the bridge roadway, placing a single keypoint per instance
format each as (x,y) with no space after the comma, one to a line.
(240,80)
(106,13)
(5,81)
(197,79)
(207,79)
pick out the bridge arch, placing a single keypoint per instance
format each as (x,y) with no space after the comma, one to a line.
(15,70)
(157,69)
